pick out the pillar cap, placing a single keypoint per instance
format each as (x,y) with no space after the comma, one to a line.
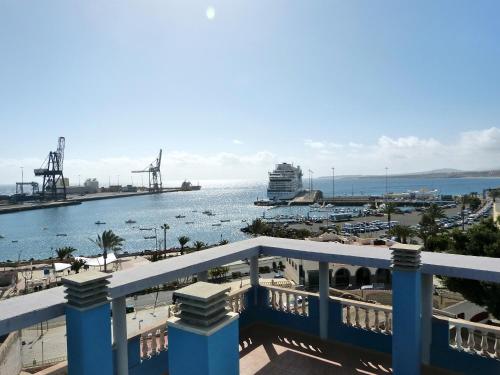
(202,304)
(86,290)
(406,257)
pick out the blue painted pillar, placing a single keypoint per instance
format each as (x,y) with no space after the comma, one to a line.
(406,310)
(204,337)
(88,324)
(427,306)
(324,298)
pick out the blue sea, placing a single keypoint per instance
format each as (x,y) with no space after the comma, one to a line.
(36,231)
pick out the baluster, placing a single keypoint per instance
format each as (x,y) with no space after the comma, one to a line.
(471,342)
(367,318)
(242,301)
(145,349)
(154,342)
(496,354)
(458,337)
(162,339)
(377,324)
(237,304)
(356,316)
(386,323)
(287,296)
(273,299)
(280,299)
(295,304)
(348,314)
(484,343)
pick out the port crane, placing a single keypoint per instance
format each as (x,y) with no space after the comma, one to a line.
(154,173)
(52,173)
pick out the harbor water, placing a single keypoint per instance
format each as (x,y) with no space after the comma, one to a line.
(36,234)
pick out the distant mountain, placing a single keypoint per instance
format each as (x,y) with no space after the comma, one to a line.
(436,173)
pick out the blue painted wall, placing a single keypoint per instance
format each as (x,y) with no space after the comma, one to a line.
(89,341)
(192,354)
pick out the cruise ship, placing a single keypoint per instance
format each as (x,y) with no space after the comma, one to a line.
(285,182)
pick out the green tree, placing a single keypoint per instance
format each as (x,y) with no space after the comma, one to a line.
(65,252)
(108,242)
(198,245)
(183,240)
(223,242)
(165,227)
(77,264)
(429,226)
(258,227)
(402,233)
(389,209)
(482,239)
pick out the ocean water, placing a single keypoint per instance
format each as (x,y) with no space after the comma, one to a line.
(36,231)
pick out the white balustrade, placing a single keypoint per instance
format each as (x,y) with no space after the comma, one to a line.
(481,339)
(289,301)
(237,299)
(153,341)
(366,316)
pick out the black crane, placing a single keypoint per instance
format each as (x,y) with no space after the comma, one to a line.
(52,172)
(154,173)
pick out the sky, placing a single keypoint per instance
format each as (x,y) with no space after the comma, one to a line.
(229,88)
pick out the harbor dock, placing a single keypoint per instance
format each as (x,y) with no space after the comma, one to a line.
(73,200)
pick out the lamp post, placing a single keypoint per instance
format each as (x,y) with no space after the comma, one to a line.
(333,184)
(165,227)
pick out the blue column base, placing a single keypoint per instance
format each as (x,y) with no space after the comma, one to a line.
(89,341)
(192,353)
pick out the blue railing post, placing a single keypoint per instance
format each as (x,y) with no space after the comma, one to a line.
(204,337)
(406,310)
(88,324)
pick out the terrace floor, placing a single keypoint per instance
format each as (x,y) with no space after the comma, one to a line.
(267,350)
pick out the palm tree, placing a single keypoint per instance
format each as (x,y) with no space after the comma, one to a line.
(183,240)
(165,227)
(77,264)
(435,212)
(389,209)
(65,252)
(198,245)
(108,241)
(401,232)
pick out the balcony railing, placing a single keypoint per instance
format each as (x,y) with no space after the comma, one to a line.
(288,300)
(475,338)
(366,316)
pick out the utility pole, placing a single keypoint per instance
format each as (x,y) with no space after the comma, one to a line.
(333,184)
(22,180)
(386,182)
(78,180)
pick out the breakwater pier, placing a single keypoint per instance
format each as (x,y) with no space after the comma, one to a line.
(73,200)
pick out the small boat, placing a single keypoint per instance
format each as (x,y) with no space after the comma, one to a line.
(216,225)
(14,241)
(130,221)
(244,220)
(149,237)
(225,221)
(61,235)
(180,216)
(145,228)
(207,212)
(99,222)
(1,237)
(189,222)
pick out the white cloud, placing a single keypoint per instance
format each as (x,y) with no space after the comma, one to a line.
(237,142)
(472,150)
(314,144)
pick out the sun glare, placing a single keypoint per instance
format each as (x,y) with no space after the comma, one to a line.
(210,12)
